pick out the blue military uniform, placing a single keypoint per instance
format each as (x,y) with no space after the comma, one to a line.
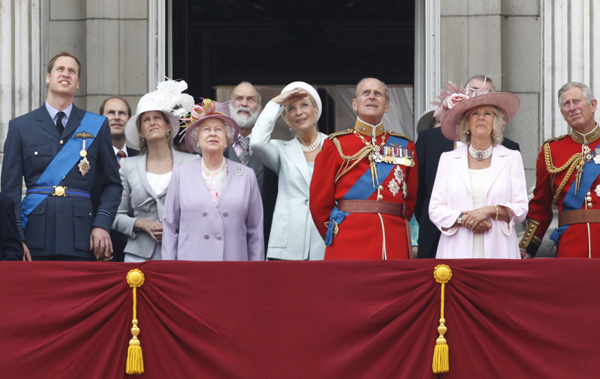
(60,225)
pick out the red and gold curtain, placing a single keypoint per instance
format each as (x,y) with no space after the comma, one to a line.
(359,319)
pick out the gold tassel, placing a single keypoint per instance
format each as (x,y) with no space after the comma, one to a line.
(135,360)
(441,363)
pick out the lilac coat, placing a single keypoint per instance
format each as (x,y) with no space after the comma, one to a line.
(452,194)
(197,229)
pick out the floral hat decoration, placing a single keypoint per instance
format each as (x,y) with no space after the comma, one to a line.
(202,111)
(168,99)
(455,102)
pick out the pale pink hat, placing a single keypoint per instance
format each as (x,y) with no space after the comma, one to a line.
(454,107)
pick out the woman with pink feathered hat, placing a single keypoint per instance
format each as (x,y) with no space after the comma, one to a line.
(479,192)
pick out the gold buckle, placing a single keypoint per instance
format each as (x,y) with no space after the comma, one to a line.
(59,191)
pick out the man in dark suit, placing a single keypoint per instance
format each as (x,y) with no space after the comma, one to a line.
(430,145)
(118,112)
(244,108)
(58,149)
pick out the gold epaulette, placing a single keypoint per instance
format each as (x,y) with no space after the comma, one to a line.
(555,139)
(342,133)
(397,135)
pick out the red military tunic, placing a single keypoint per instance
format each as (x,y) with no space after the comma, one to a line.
(364,235)
(579,240)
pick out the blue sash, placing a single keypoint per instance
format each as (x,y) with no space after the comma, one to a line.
(363,188)
(573,201)
(62,163)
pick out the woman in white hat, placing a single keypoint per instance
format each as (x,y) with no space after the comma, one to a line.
(146,177)
(213,211)
(479,191)
(294,235)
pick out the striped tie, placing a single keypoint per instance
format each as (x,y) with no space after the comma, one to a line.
(245,145)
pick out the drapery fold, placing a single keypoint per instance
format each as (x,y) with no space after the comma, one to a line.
(356,319)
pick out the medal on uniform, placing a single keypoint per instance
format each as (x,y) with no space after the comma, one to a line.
(394,187)
(597,156)
(84,164)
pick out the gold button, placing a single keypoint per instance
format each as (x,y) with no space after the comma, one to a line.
(380,197)
(381,188)
(61,142)
(590,205)
(589,198)
(589,193)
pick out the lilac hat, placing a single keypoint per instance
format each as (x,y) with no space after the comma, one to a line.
(202,112)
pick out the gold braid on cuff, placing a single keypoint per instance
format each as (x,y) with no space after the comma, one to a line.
(529,236)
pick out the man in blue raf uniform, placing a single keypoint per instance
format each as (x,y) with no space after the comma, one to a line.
(58,149)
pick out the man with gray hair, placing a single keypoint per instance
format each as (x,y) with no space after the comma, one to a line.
(567,175)
(364,185)
(244,108)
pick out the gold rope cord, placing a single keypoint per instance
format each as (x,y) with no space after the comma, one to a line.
(357,157)
(135,361)
(441,362)
(572,164)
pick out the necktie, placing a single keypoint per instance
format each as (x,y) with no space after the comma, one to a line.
(120,155)
(245,145)
(59,124)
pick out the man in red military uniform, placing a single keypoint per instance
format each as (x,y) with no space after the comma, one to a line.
(568,170)
(364,187)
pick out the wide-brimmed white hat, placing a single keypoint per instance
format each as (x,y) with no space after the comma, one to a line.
(169,100)
(308,88)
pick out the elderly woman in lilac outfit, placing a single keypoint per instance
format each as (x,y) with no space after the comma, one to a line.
(213,210)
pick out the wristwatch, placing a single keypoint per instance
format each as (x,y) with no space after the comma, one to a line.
(459,219)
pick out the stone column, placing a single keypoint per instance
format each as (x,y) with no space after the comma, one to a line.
(117,50)
(570,51)
(21,77)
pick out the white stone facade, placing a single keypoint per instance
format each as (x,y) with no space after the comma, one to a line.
(528,47)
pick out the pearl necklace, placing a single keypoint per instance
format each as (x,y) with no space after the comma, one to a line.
(215,172)
(480,155)
(313,146)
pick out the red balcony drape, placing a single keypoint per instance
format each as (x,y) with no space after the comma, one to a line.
(356,319)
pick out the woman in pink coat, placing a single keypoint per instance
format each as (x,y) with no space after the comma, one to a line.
(213,210)
(479,192)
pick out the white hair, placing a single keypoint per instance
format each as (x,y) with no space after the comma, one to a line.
(196,130)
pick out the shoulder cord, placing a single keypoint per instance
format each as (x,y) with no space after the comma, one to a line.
(346,165)
(357,157)
(572,164)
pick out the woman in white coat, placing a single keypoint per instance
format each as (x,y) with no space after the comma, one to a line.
(294,235)
(146,177)
(479,192)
